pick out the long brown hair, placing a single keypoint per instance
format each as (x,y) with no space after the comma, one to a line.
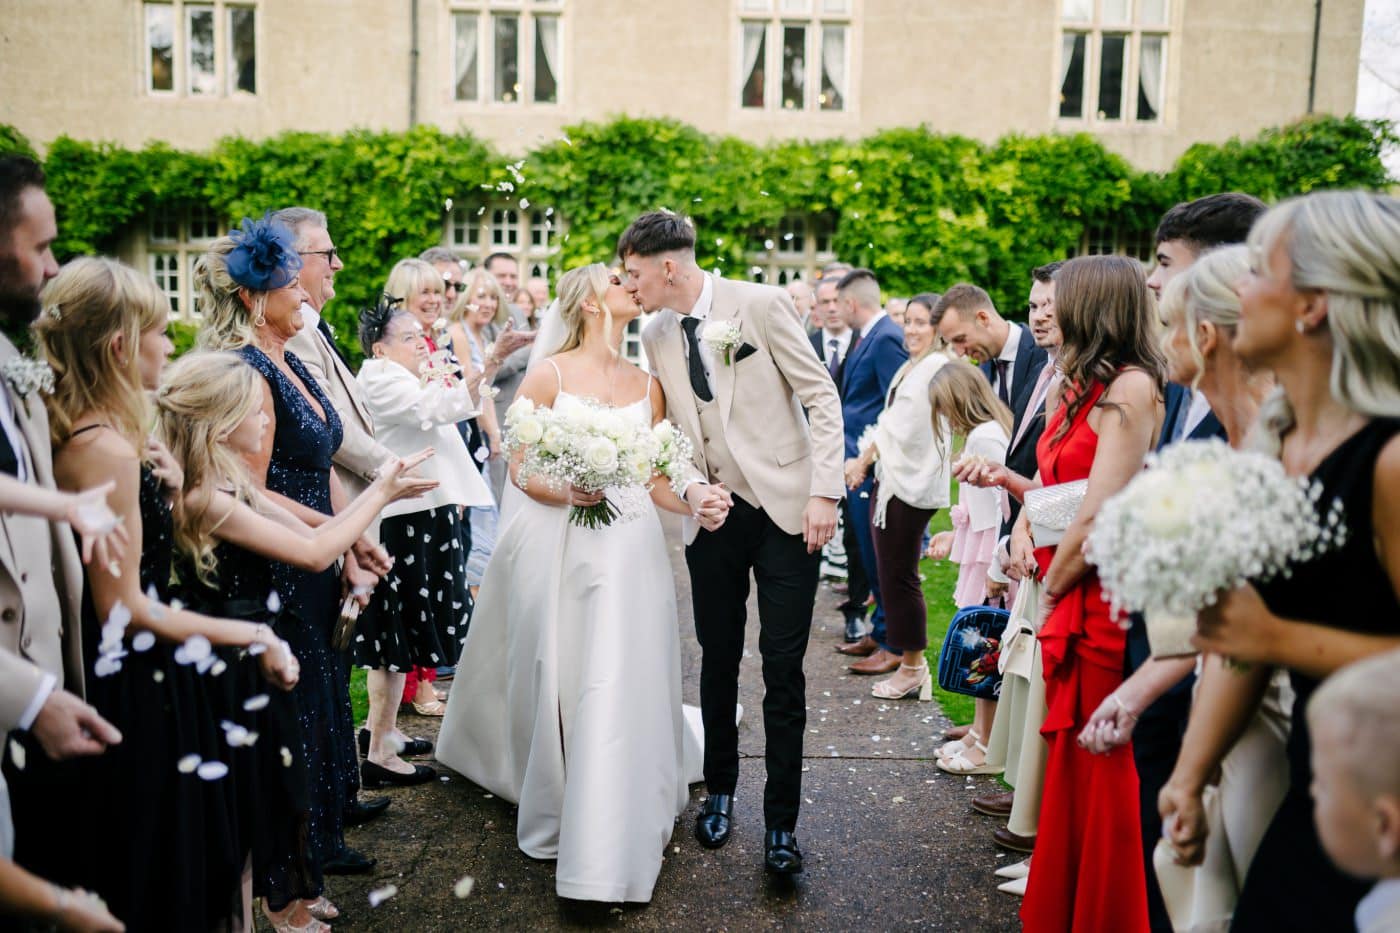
(1106,318)
(963,397)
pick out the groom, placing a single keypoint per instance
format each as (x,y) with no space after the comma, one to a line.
(740,397)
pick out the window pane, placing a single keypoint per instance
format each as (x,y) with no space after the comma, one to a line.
(242,55)
(1112,52)
(464,48)
(793,238)
(165,227)
(505,227)
(794,66)
(204,223)
(199,46)
(1152,12)
(547,59)
(833,89)
(1077,11)
(1117,12)
(754,51)
(1072,74)
(160,37)
(165,269)
(506,30)
(1151,60)
(539,230)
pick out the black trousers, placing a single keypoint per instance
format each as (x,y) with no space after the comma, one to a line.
(857,583)
(720,563)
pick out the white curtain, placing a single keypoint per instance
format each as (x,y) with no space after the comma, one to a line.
(1151,70)
(753,44)
(834,62)
(547,28)
(465,73)
(1067,56)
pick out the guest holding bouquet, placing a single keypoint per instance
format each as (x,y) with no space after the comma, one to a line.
(910,455)
(1318,308)
(418,614)
(1089,875)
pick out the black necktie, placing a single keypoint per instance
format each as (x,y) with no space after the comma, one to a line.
(833,361)
(9,463)
(1003,390)
(325,330)
(698,383)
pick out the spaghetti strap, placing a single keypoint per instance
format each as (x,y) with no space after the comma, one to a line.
(557,374)
(89,427)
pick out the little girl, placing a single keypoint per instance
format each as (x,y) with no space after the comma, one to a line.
(963,402)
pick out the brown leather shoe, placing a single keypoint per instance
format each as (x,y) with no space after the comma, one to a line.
(861,649)
(1009,840)
(994,804)
(881,662)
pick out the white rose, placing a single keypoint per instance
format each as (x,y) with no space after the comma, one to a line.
(554,440)
(601,455)
(519,409)
(611,425)
(529,430)
(664,433)
(640,468)
(1166,506)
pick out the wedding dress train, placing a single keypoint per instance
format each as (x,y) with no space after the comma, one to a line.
(567,699)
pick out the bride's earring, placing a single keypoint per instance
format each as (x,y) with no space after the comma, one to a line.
(1300,326)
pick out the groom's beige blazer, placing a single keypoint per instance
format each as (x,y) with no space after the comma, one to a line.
(41,578)
(787,458)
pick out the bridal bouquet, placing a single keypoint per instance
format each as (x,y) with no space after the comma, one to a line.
(1201,519)
(593,449)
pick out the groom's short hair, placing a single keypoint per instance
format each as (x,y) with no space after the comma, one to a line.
(861,286)
(657,232)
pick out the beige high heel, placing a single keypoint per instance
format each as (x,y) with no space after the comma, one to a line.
(282,921)
(923,688)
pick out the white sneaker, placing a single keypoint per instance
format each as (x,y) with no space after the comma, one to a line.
(1016,887)
(1020,869)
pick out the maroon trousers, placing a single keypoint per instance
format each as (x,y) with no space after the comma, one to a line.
(897,551)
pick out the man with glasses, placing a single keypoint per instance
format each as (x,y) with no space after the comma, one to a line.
(450,268)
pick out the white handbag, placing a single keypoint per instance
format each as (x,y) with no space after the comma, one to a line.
(1018,644)
(1051,509)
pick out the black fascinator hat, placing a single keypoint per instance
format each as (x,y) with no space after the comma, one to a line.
(375,321)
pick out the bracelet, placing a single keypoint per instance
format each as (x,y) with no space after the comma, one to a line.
(1123,706)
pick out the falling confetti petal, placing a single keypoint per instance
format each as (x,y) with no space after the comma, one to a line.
(380,895)
(274,602)
(143,641)
(253,704)
(187,764)
(286,757)
(447,205)
(212,770)
(17,754)
(463,888)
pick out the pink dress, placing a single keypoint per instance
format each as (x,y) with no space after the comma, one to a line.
(977,518)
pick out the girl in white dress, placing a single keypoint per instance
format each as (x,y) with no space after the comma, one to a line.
(568,693)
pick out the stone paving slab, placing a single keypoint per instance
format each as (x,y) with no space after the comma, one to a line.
(890,841)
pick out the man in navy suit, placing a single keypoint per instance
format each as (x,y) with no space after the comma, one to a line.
(865,383)
(969,323)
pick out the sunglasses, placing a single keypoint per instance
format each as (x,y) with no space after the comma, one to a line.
(451,286)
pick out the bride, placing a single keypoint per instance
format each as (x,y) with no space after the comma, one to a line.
(567,699)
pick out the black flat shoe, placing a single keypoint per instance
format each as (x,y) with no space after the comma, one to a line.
(361,812)
(780,853)
(373,775)
(349,862)
(715,821)
(413,748)
(855,627)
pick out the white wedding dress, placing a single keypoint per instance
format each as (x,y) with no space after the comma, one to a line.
(567,698)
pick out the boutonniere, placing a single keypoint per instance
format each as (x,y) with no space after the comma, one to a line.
(722,337)
(26,375)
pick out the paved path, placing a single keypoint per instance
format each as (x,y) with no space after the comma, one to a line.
(889,840)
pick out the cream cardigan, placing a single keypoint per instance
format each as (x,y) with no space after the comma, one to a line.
(911,465)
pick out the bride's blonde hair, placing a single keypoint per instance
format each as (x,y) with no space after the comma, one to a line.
(575,287)
(203,397)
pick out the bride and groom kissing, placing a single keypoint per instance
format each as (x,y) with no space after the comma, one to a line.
(567,698)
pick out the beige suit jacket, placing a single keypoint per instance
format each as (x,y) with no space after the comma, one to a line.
(41,579)
(787,458)
(359,454)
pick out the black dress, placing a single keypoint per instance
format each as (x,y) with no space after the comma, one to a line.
(271,778)
(161,840)
(300,469)
(1291,884)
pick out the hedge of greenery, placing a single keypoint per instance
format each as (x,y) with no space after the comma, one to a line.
(923,210)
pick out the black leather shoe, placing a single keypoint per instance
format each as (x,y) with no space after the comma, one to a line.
(373,775)
(715,821)
(361,812)
(413,748)
(855,627)
(349,862)
(780,853)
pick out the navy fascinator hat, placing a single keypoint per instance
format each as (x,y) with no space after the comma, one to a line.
(264,257)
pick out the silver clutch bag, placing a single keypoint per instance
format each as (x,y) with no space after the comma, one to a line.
(1050,509)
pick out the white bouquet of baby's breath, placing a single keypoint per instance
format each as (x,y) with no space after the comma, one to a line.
(1202,518)
(592,448)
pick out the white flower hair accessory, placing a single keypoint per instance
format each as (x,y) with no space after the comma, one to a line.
(722,337)
(26,374)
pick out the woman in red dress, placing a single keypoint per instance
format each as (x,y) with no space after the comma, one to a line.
(1087,874)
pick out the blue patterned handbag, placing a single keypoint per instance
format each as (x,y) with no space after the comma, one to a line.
(967,663)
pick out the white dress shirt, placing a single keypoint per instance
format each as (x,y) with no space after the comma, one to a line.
(1379,911)
(865,331)
(9,422)
(701,313)
(843,344)
(1200,407)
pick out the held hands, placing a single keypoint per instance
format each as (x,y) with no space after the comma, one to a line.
(1022,564)
(1239,626)
(397,479)
(1183,822)
(102,531)
(940,546)
(855,472)
(67,727)
(709,504)
(818,522)
(165,467)
(278,665)
(1110,727)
